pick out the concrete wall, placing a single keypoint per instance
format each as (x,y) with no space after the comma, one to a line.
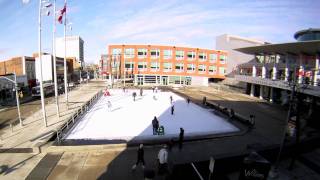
(199,81)
(228,43)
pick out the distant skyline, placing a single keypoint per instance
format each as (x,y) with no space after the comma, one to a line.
(176,22)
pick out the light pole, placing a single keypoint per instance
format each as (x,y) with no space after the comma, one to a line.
(17,95)
(65,56)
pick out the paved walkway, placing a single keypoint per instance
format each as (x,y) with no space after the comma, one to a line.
(18,143)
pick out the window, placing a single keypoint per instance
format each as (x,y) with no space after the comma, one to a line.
(129,53)
(202,68)
(212,70)
(191,55)
(222,70)
(191,67)
(179,67)
(223,59)
(179,55)
(202,56)
(155,53)
(167,67)
(167,54)
(129,65)
(116,51)
(142,66)
(213,58)
(142,53)
(155,66)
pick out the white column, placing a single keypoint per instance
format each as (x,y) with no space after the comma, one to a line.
(271,94)
(274,72)
(65,57)
(252,90)
(316,70)
(264,70)
(286,70)
(301,70)
(261,92)
(254,71)
(143,79)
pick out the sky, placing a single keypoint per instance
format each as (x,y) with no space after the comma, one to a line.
(191,23)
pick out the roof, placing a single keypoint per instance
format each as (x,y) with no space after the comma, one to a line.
(311,30)
(301,47)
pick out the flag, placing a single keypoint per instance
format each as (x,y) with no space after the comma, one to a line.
(61,13)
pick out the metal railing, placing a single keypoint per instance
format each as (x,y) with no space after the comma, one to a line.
(60,132)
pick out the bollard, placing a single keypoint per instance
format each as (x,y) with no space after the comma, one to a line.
(11,127)
(81,110)
(58,136)
(73,119)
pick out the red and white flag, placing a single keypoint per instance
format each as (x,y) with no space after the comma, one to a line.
(61,13)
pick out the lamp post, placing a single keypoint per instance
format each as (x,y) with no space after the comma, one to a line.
(17,95)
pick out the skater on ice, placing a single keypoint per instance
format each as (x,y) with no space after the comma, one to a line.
(156,89)
(141,91)
(154,97)
(172,109)
(134,94)
(188,100)
(171,99)
(140,159)
(106,92)
(155,125)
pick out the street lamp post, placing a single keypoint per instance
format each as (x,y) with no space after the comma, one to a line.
(17,96)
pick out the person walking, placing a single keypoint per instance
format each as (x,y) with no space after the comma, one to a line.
(181,137)
(171,99)
(134,94)
(188,100)
(155,125)
(140,159)
(141,91)
(172,109)
(163,160)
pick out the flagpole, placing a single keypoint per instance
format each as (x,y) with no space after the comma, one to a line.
(56,93)
(40,61)
(65,56)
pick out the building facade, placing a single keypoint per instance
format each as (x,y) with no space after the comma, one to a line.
(74,49)
(165,65)
(228,43)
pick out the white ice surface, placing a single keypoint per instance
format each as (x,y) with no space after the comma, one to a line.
(127,119)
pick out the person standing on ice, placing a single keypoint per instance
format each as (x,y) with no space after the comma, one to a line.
(124,89)
(155,125)
(181,137)
(153,89)
(156,89)
(134,94)
(109,105)
(141,91)
(171,99)
(188,100)
(172,109)
(140,157)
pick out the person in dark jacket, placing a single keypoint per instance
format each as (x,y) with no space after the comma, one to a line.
(172,109)
(155,125)
(141,91)
(134,94)
(171,99)
(181,137)
(140,158)
(188,100)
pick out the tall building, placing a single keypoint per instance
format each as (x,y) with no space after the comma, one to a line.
(74,48)
(23,66)
(165,65)
(228,43)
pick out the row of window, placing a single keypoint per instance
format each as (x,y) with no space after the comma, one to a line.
(179,67)
(168,54)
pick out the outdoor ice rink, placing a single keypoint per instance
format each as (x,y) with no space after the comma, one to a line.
(127,119)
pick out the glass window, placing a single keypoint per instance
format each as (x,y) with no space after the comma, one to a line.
(142,65)
(223,59)
(179,54)
(179,67)
(212,69)
(142,53)
(155,53)
(129,53)
(191,67)
(222,70)
(154,65)
(116,51)
(213,58)
(201,68)
(191,55)
(167,66)
(129,65)
(202,56)
(167,54)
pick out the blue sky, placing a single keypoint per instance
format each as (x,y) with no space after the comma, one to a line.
(193,23)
